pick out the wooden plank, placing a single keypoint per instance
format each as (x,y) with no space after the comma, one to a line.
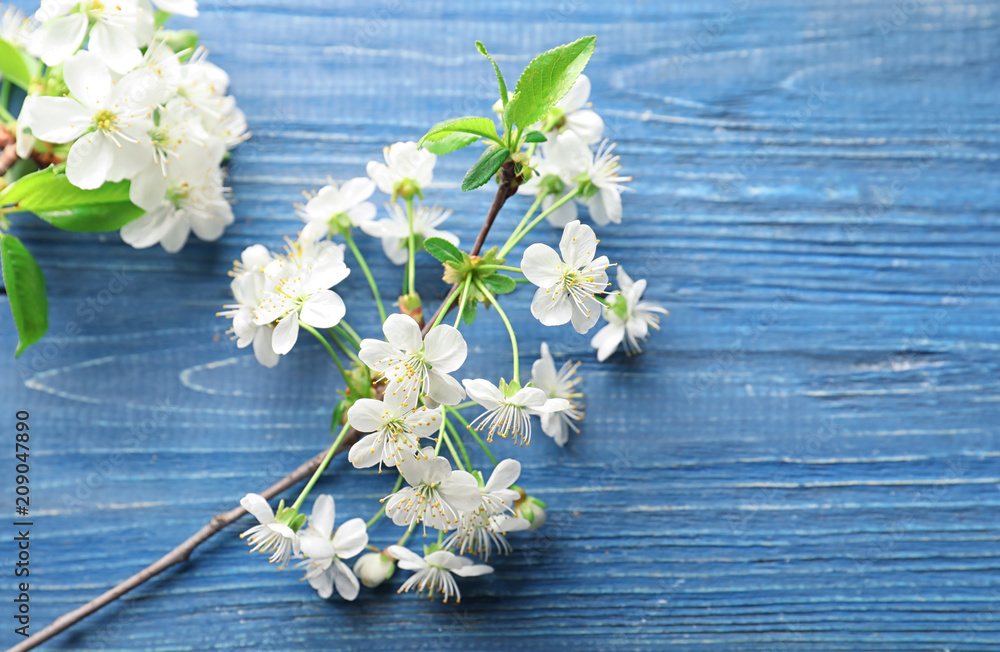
(804,458)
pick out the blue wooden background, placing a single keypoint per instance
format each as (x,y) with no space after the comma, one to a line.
(805,458)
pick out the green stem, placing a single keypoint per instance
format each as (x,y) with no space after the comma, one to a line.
(451,449)
(322,466)
(343,347)
(461,303)
(474,434)
(333,354)
(447,306)
(510,329)
(506,268)
(5,99)
(412,245)
(461,446)
(441,436)
(531,211)
(368,274)
(515,238)
(381,512)
(354,337)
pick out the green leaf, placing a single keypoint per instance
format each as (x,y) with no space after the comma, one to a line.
(51,196)
(484,169)
(443,250)
(17,65)
(481,127)
(21,168)
(93,218)
(160,17)
(546,80)
(453,141)
(534,137)
(499,284)
(500,80)
(25,290)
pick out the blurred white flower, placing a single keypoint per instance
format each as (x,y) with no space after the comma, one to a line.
(395,231)
(248,286)
(407,170)
(373,568)
(332,201)
(119,30)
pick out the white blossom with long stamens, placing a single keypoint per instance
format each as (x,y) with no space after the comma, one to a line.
(414,365)
(395,428)
(559,384)
(269,536)
(434,572)
(629,318)
(436,494)
(507,416)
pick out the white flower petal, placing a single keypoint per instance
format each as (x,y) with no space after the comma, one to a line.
(402,332)
(445,349)
(324,309)
(351,538)
(257,505)
(607,340)
(285,333)
(541,265)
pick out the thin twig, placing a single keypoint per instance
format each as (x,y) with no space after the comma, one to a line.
(505,190)
(179,554)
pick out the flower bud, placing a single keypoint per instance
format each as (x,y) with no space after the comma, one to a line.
(374,568)
(533,511)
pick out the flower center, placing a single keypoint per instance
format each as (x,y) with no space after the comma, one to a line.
(105,120)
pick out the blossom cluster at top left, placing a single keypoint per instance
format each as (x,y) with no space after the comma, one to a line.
(120,100)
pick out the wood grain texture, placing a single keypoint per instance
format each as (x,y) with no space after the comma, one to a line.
(805,458)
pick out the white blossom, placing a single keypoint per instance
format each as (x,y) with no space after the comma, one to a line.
(269,535)
(572,113)
(412,365)
(508,410)
(108,120)
(436,493)
(395,231)
(120,29)
(324,550)
(567,284)
(395,427)
(559,384)
(434,572)
(404,163)
(629,318)
(248,286)
(332,201)
(374,568)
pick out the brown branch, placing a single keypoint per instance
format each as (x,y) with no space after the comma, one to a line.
(179,554)
(505,190)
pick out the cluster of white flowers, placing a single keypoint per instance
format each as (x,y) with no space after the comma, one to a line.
(408,401)
(129,107)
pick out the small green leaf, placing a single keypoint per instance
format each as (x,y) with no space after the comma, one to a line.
(481,127)
(484,169)
(443,250)
(500,80)
(25,290)
(16,65)
(160,17)
(534,137)
(499,284)
(51,196)
(93,218)
(450,143)
(546,80)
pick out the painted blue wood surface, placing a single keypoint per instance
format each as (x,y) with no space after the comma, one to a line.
(805,458)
